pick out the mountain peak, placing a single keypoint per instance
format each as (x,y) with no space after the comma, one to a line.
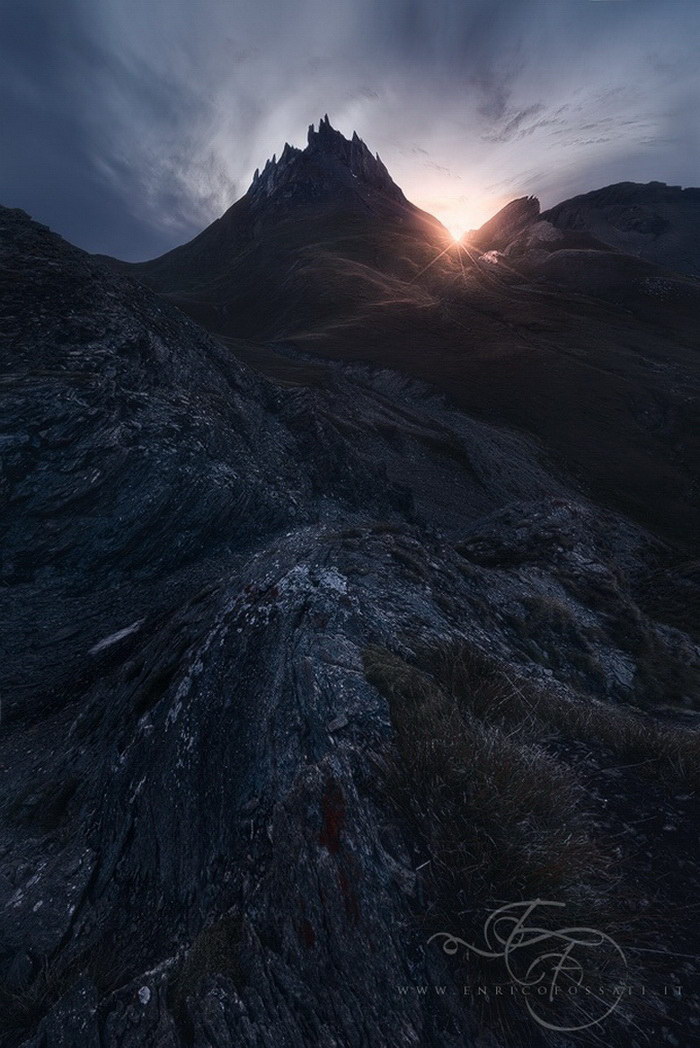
(332,168)
(506,223)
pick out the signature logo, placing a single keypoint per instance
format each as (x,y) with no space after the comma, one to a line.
(548,965)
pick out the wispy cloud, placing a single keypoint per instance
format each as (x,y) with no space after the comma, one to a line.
(129,126)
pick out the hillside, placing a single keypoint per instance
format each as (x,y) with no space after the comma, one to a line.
(299,674)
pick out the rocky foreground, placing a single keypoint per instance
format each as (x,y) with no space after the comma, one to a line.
(298,675)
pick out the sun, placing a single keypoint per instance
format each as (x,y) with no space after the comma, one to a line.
(456,231)
(463,214)
(459,220)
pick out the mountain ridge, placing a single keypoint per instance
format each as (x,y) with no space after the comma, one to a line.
(529,325)
(656,222)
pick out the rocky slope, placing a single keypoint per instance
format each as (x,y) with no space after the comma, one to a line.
(229,601)
(655,222)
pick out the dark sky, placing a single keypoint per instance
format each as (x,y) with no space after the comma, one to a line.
(128,125)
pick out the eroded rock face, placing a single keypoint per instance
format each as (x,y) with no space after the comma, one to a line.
(198,841)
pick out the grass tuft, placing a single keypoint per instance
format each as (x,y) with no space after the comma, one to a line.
(497,818)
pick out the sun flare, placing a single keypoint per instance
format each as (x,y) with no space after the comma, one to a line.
(456,231)
(460,217)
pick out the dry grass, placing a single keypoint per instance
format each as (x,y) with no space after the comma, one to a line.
(480,684)
(503,812)
(498,819)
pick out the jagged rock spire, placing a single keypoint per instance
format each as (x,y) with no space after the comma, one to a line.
(330,165)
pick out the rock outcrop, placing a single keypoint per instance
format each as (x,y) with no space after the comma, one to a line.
(331,169)
(506,225)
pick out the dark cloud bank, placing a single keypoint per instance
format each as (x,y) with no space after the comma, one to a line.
(130,125)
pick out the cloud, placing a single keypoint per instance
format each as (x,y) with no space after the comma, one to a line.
(133,125)
(512,124)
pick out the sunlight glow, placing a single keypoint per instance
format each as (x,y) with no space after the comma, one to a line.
(462,212)
(461,216)
(455,231)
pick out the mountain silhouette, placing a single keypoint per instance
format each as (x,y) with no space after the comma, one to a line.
(550,330)
(653,221)
(332,169)
(318,228)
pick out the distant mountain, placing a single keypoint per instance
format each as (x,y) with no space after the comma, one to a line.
(333,206)
(654,222)
(546,329)
(505,226)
